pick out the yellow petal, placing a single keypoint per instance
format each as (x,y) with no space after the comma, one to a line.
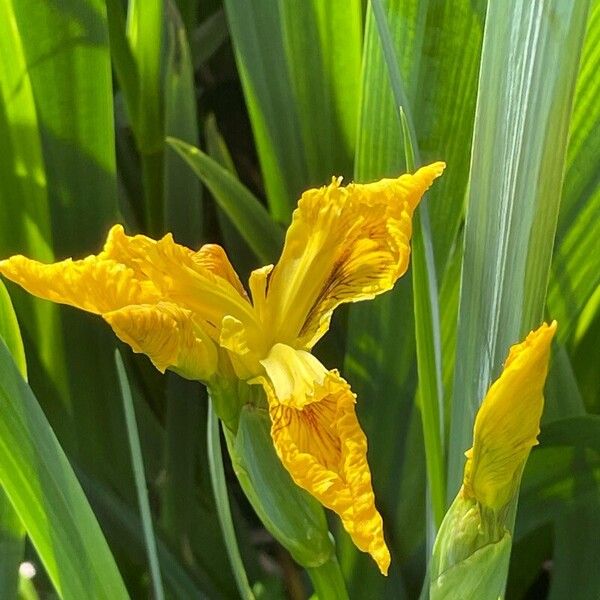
(203,282)
(168,335)
(319,441)
(507,424)
(92,284)
(133,270)
(344,244)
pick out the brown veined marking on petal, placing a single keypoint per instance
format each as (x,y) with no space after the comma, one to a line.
(384,209)
(337,473)
(311,434)
(338,289)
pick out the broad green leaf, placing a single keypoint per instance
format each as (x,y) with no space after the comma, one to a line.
(12,532)
(182,194)
(438,47)
(45,493)
(425,299)
(145,33)
(381,356)
(256,32)
(24,190)
(323,42)
(519,145)
(243,209)
(576,262)
(145,21)
(62,45)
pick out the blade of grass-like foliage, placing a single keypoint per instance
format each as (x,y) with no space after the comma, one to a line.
(576,262)
(208,37)
(427,325)
(140,479)
(244,210)
(576,549)
(529,67)
(323,42)
(438,47)
(175,460)
(123,523)
(182,192)
(240,253)
(183,421)
(123,62)
(145,34)
(12,532)
(45,493)
(256,33)
(217,475)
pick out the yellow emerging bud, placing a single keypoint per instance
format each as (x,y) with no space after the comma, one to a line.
(508,422)
(472,548)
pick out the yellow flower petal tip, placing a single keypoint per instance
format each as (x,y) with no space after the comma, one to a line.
(318,438)
(508,422)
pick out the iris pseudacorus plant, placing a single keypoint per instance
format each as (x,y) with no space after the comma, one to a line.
(472,549)
(188,311)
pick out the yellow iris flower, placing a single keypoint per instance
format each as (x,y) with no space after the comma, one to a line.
(189,313)
(508,422)
(472,549)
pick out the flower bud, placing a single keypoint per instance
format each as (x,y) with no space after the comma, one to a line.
(290,514)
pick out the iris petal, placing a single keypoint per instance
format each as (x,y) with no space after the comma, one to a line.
(320,442)
(344,244)
(168,335)
(508,422)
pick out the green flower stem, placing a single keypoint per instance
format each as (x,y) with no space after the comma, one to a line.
(328,580)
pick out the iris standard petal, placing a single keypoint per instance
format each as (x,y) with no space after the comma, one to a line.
(344,244)
(318,438)
(508,422)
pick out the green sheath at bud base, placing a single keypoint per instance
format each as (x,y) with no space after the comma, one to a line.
(292,516)
(480,576)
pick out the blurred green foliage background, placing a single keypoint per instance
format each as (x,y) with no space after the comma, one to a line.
(208,119)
